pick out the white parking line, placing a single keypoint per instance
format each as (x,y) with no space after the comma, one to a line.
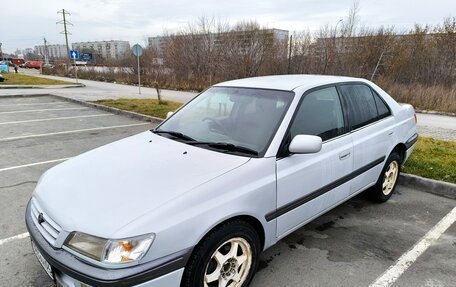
(53,119)
(33,104)
(403,263)
(33,164)
(70,132)
(42,110)
(20,236)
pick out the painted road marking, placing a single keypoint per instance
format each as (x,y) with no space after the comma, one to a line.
(52,119)
(407,259)
(33,164)
(70,132)
(12,238)
(42,110)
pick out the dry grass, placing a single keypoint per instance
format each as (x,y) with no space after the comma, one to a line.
(434,159)
(436,98)
(143,106)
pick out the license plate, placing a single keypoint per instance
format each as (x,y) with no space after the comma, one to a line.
(46,266)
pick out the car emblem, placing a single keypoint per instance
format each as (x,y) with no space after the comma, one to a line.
(40,218)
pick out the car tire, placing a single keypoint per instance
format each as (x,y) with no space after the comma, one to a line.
(387,181)
(229,253)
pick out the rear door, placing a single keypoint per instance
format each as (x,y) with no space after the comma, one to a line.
(309,184)
(371,126)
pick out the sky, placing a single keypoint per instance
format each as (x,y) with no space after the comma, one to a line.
(24,23)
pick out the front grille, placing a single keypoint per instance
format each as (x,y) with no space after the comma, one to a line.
(48,228)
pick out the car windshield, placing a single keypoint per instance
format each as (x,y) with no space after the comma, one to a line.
(237,120)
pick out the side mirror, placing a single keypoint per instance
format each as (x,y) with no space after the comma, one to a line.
(169,114)
(305,144)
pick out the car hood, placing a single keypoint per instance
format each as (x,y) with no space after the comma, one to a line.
(103,190)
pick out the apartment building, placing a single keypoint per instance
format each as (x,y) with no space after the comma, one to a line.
(52,51)
(271,35)
(113,49)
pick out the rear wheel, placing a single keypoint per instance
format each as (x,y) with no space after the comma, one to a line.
(226,257)
(387,180)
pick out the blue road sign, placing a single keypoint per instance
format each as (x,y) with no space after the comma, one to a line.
(86,57)
(74,54)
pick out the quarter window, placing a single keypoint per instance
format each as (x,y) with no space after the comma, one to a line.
(361,105)
(320,114)
(382,108)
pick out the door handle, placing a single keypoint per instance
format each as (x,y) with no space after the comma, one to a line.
(343,156)
(390,133)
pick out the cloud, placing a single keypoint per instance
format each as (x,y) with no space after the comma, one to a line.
(29,20)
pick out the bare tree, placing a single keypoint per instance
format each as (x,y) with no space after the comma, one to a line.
(350,23)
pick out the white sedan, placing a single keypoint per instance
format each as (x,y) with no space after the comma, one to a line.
(194,201)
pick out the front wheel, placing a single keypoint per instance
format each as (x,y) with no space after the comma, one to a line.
(387,180)
(226,257)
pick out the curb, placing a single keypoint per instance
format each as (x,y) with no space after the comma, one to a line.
(24,95)
(6,87)
(116,111)
(436,187)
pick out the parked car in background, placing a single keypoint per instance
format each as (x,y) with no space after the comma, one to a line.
(194,201)
(17,61)
(8,63)
(32,65)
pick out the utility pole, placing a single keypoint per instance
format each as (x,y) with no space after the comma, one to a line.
(1,52)
(46,59)
(65,31)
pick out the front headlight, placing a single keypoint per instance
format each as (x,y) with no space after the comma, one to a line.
(110,250)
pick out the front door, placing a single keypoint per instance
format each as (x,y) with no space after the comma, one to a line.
(310,184)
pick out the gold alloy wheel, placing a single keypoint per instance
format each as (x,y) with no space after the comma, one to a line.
(390,177)
(229,265)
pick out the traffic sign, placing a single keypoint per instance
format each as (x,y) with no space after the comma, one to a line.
(137,50)
(86,57)
(74,54)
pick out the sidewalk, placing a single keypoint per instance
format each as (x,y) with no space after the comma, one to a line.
(95,90)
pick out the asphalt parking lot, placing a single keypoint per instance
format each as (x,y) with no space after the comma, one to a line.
(352,245)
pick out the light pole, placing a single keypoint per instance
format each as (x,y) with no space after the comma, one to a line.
(335,29)
(335,34)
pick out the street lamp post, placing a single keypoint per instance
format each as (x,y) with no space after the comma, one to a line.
(335,35)
(335,29)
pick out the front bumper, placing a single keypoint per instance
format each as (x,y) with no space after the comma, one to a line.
(172,279)
(71,270)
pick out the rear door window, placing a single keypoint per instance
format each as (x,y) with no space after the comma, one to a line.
(361,105)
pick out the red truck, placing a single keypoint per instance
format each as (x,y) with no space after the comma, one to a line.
(33,64)
(17,61)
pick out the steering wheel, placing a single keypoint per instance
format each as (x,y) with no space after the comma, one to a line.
(214,125)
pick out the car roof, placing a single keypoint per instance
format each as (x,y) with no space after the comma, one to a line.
(287,82)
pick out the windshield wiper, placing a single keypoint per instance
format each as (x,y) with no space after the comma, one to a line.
(226,146)
(174,134)
(215,145)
